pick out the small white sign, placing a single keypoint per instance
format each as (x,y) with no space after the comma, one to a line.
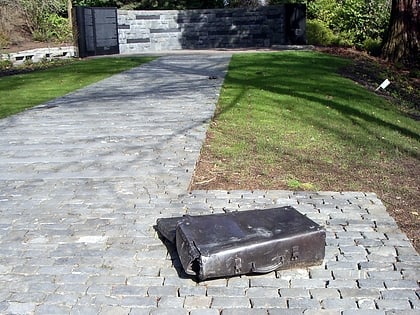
(384,85)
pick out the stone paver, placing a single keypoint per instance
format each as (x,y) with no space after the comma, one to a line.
(84,178)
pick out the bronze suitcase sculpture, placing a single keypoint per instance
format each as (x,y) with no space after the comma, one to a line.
(244,242)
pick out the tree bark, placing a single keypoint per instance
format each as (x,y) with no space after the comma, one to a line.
(69,12)
(402,43)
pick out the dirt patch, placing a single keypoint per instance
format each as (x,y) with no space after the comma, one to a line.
(16,36)
(397,183)
(29,45)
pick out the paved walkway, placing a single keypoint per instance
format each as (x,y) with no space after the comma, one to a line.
(84,178)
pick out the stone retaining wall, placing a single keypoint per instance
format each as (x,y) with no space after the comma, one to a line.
(164,30)
(142,31)
(39,54)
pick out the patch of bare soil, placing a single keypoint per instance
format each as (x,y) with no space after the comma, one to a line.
(15,33)
(397,183)
(19,38)
(28,45)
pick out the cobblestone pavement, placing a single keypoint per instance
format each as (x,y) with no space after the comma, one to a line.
(84,178)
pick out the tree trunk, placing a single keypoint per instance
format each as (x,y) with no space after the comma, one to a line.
(402,43)
(69,12)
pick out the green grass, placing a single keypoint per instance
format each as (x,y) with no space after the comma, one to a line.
(22,91)
(290,117)
(288,120)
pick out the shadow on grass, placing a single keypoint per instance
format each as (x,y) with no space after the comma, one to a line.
(305,86)
(21,91)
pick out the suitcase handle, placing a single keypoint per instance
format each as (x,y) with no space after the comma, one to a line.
(270,268)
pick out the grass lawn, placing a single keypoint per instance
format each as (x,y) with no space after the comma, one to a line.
(21,91)
(288,120)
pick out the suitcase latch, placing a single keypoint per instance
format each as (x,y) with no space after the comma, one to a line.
(295,253)
(238,265)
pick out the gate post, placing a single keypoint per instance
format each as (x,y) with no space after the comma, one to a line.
(295,24)
(96,31)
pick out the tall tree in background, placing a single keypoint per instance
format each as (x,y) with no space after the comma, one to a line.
(402,43)
(69,12)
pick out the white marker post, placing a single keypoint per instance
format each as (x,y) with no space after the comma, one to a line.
(383,85)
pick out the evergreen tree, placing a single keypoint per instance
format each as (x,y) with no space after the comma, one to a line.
(402,44)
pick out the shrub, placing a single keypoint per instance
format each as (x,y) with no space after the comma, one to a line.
(58,28)
(54,28)
(322,10)
(4,40)
(373,46)
(5,64)
(342,40)
(354,20)
(317,33)
(351,19)
(43,17)
(7,15)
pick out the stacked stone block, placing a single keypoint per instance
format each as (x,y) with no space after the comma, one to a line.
(40,54)
(142,31)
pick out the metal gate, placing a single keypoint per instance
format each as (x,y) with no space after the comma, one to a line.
(97,31)
(296,24)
